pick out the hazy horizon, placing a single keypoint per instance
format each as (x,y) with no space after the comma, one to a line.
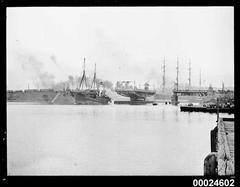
(126,43)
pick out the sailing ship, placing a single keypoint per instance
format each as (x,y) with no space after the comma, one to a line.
(95,95)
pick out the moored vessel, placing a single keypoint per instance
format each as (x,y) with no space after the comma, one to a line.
(206,109)
(95,95)
(210,107)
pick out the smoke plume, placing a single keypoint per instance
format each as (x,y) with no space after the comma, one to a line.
(33,68)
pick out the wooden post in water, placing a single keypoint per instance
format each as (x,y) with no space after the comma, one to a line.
(210,164)
(174,99)
(213,138)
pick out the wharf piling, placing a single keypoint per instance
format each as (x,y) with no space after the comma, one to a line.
(174,99)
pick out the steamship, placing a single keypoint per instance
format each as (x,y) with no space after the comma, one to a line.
(95,95)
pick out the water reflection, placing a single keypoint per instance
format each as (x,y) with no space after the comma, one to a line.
(189,117)
(176,114)
(163,115)
(114,139)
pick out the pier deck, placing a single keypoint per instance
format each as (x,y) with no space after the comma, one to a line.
(221,160)
(225,147)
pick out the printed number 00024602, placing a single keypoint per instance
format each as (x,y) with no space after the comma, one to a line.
(213,182)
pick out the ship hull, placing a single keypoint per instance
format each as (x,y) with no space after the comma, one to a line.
(136,95)
(82,98)
(133,102)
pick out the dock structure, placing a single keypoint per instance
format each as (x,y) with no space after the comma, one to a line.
(136,95)
(177,92)
(55,97)
(221,159)
(190,92)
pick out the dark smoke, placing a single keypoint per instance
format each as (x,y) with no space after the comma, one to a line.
(30,63)
(46,80)
(33,68)
(74,81)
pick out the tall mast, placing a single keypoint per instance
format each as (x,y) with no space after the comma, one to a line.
(177,73)
(189,79)
(84,65)
(164,66)
(94,82)
(83,79)
(200,81)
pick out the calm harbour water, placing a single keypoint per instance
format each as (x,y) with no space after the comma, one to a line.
(106,140)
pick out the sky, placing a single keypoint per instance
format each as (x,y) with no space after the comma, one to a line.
(126,43)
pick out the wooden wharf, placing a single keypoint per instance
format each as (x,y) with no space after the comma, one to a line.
(221,159)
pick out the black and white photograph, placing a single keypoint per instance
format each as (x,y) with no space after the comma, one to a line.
(115,91)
